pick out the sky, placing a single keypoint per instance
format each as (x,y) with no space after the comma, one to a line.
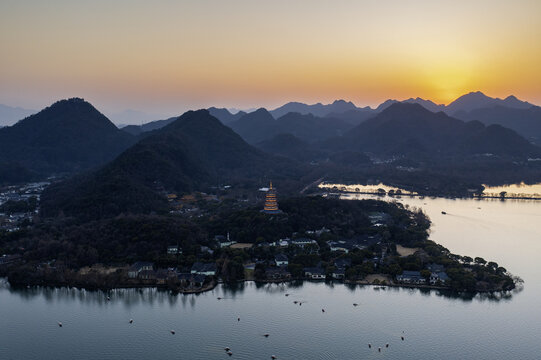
(165,57)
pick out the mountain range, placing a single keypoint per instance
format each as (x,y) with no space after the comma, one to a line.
(197,150)
(194,152)
(521,116)
(410,129)
(338,106)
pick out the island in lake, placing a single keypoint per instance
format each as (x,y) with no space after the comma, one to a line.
(309,237)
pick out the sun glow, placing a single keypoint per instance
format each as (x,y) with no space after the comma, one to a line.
(179,55)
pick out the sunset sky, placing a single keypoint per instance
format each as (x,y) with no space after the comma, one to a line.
(168,56)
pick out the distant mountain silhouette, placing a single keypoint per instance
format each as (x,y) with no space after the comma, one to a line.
(133,117)
(478,100)
(193,153)
(256,126)
(338,106)
(224,115)
(354,117)
(137,130)
(260,125)
(70,135)
(411,129)
(312,128)
(427,104)
(526,122)
(10,115)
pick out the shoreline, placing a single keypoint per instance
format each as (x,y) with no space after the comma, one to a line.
(212,285)
(340,192)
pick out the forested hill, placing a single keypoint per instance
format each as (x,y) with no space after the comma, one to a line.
(69,136)
(194,152)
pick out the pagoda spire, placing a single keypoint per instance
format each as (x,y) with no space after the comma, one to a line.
(271,202)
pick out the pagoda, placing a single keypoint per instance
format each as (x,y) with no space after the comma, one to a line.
(271,204)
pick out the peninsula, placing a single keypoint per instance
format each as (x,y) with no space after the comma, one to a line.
(310,238)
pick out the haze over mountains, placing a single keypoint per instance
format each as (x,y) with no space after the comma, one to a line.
(126,171)
(10,115)
(71,136)
(521,116)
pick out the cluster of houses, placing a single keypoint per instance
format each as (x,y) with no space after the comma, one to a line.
(279,270)
(437,276)
(11,222)
(360,242)
(285,242)
(199,274)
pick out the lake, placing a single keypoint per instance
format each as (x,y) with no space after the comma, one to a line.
(435,324)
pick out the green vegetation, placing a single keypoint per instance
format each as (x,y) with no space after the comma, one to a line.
(185,156)
(69,136)
(64,246)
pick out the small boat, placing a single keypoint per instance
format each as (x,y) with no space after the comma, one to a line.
(386,345)
(238,319)
(266,335)
(402,338)
(227,348)
(273,357)
(355,304)
(287,294)
(379,349)
(59,324)
(131,321)
(229,353)
(369,346)
(444,213)
(322,310)
(173,332)
(219,298)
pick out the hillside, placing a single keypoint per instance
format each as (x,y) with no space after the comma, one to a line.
(312,128)
(290,146)
(526,122)
(195,152)
(353,117)
(69,136)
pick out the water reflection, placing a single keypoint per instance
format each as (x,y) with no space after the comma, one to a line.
(157,296)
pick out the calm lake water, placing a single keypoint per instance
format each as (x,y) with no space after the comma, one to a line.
(435,325)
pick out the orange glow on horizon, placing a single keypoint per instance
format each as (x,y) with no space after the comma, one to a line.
(172,56)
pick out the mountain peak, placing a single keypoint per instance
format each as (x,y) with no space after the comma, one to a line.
(478,100)
(410,107)
(69,135)
(342,102)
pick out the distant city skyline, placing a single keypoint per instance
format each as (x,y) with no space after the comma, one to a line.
(168,57)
